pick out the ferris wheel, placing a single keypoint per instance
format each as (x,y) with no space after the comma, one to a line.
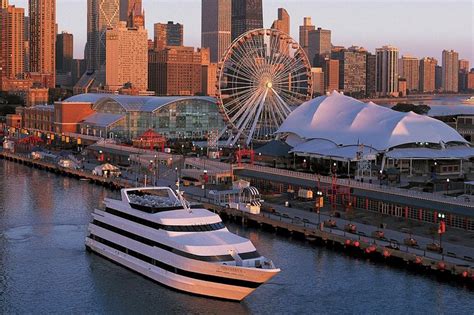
(262,76)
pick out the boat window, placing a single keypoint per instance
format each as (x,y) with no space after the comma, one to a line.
(149,242)
(170,268)
(173,228)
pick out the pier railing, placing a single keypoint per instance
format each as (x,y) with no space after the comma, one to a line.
(366,186)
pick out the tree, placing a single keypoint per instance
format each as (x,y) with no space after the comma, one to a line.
(406,107)
(6,109)
(12,99)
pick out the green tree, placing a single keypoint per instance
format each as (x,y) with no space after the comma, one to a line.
(406,107)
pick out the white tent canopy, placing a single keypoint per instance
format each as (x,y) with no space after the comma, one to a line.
(346,121)
(107,167)
(325,148)
(456,152)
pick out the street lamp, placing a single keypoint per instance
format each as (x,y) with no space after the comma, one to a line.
(204,178)
(157,168)
(177,177)
(319,204)
(447,186)
(152,179)
(441,229)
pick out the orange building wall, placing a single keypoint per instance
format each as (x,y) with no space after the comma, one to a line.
(13,120)
(470,81)
(68,115)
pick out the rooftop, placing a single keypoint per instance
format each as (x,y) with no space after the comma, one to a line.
(135,103)
(346,121)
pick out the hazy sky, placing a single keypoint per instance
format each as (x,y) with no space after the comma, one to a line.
(417,27)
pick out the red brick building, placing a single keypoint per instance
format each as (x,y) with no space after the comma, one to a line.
(67,115)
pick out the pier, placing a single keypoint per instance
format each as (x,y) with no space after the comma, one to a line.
(391,252)
(449,266)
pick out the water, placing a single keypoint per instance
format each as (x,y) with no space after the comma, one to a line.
(45,269)
(434,101)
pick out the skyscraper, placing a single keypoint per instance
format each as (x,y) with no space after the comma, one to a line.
(450,66)
(352,69)
(331,74)
(409,68)
(427,74)
(101,14)
(317,78)
(131,11)
(387,70)
(43,38)
(304,34)
(26,38)
(64,52)
(438,77)
(11,42)
(127,7)
(464,65)
(283,22)
(216,26)
(175,71)
(169,34)
(128,48)
(370,75)
(246,15)
(319,43)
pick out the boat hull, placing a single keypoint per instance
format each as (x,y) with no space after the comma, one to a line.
(177,281)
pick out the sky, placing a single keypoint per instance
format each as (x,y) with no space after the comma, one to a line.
(417,27)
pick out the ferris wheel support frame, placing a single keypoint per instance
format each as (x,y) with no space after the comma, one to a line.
(261,75)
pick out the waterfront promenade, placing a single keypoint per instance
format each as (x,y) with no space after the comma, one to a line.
(456,258)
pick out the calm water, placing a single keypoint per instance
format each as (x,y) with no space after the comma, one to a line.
(45,269)
(436,100)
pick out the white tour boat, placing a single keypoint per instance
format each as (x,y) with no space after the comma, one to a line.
(469,101)
(158,234)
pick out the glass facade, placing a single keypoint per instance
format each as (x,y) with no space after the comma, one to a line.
(190,118)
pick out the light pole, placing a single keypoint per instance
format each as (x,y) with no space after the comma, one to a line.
(319,204)
(177,177)
(441,229)
(204,178)
(447,186)
(157,169)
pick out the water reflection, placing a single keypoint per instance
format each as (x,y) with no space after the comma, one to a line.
(44,267)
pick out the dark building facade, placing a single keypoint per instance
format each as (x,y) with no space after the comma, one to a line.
(352,70)
(175,71)
(438,77)
(64,52)
(131,11)
(330,69)
(246,15)
(319,45)
(78,67)
(169,34)
(216,27)
(370,75)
